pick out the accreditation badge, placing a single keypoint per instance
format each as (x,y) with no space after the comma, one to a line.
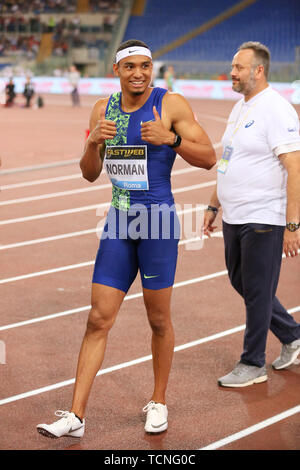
(126,166)
(223,163)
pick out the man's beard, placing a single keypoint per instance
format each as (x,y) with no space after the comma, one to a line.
(245,87)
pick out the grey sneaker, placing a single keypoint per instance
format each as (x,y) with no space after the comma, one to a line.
(289,354)
(244,375)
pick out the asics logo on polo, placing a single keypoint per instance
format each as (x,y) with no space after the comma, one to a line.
(249,124)
(149,277)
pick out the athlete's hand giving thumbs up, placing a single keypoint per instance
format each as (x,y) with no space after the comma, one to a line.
(104,129)
(155,132)
(100,130)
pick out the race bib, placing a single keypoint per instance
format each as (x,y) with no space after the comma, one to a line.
(126,166)
(223,163)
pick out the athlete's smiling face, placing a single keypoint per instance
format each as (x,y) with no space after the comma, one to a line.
(135,73)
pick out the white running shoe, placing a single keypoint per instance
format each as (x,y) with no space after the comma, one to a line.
(68,425)
(157,417)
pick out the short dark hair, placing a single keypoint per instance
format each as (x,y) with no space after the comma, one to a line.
(261,53)
(131,43)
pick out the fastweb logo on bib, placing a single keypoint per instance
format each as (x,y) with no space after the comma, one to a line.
(126,166)
(126,151)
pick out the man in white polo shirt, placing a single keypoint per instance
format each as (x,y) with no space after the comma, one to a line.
(258,188)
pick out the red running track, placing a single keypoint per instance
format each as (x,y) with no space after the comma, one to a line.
(48,244)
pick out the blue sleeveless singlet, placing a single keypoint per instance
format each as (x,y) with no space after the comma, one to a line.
(160,158)
(133,244)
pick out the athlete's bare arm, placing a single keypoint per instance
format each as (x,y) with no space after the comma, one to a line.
(100,129)
(177,116)
(196,147)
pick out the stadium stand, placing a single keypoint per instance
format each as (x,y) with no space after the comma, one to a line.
(198,37)
(172,19)
(273,22)
(57,32)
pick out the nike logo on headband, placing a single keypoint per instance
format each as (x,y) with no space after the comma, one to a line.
(138,50)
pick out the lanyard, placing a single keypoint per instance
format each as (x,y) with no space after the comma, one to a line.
(223,164)
(239,122)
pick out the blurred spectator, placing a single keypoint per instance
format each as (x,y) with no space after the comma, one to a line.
(10,93)
(169,77)
(51,24)
(57,72)
(28,92)
(21,26)
(35,24)
(105,5)
(40,102)
(108,23)
(75,23)
(74,77)
(55,6)
(157,65)
(26,46)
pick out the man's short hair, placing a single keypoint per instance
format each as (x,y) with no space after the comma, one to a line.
(131,43)
(262,54)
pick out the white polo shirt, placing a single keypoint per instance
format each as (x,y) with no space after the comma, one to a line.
(252,186)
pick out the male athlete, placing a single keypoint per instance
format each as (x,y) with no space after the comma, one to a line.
(135,134)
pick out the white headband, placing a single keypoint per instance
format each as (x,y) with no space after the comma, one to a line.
(134,50)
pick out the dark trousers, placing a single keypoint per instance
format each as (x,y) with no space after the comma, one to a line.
(253,254)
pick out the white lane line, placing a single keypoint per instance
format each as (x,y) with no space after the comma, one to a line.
(84,232)
(51,271)
(252,429)
(48,239)
(95,206)
(81,233)
(194,186)
(89,189)
(47,271)
(45,215)
(79,175)
(53,195)
(128,297)
(98,230)
(123,365)
(39,167)
(57,179)
(68,267)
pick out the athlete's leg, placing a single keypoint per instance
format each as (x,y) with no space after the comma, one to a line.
(158,308)
(157,263)
(106,302)
(115,270)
